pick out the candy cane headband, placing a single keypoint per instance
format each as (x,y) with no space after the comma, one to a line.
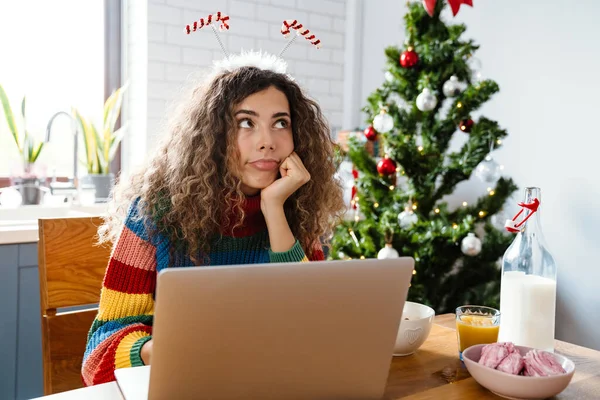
(300,30)
(201,23)
(258,59)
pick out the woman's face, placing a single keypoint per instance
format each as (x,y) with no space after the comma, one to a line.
(264,138)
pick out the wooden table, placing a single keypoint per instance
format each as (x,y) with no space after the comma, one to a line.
(432,372)
(435,372)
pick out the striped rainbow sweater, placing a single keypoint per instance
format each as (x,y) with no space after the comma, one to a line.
(125,313)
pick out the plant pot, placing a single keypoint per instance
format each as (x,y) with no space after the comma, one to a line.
(103,184)
(30,190)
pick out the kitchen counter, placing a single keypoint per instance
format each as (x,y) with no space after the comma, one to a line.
(20,225)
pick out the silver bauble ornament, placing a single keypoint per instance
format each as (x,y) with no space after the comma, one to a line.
(488,170)
(451,87)
(471,245)
(383,122)
(407,218)
(387,252)
(426,101)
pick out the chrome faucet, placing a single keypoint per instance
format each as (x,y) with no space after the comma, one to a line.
(73,184)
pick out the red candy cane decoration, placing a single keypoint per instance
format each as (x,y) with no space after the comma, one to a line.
(300,30)
(218,17)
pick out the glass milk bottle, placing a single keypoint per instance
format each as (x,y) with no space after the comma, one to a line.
(528,286)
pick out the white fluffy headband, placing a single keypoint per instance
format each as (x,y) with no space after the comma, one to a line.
(258,59)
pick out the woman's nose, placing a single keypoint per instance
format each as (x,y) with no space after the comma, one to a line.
(266,139)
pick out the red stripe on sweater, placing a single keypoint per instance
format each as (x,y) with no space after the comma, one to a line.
(317,255)
(127,279)
(254,220)
(104,370)
(133,250)
(317,252)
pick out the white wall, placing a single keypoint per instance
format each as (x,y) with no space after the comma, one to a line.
(135,71)
(545,56)
(169,55)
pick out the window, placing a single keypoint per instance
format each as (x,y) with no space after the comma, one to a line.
(53,52)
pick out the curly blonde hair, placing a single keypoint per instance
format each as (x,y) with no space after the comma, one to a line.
(189,187)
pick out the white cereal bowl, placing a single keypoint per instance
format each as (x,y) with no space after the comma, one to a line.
(516,386)
(416,323)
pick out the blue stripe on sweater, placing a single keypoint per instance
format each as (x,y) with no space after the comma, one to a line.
(100,335)
(240,257)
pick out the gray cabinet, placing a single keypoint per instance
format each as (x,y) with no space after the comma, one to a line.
(20,326)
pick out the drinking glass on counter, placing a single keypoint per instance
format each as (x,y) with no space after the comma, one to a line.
(476,325)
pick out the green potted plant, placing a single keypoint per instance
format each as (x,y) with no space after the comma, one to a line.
(101,144)
(29,148)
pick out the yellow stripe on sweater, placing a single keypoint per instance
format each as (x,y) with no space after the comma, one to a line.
(122,355)
(115,305)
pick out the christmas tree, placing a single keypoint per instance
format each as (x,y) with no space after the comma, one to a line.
(429,95)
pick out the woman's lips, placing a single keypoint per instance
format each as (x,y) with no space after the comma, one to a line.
(265,165)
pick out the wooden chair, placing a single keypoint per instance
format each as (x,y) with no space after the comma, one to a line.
(71,269)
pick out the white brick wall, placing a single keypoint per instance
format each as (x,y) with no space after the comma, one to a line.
(156,34)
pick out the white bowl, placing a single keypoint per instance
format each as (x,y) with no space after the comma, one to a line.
(416,323)
(517,386)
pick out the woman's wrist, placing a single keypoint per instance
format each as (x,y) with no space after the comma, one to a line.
(281,237)
(271,206)
(146,352)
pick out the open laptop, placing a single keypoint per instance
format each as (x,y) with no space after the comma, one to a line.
(321,330)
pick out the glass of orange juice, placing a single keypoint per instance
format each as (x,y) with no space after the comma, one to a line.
(476,325)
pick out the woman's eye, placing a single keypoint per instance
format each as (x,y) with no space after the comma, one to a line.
(282,123)
(245,123)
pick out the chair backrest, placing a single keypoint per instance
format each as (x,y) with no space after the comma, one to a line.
(71,270)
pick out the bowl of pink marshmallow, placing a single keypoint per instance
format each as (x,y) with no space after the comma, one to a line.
(518,372)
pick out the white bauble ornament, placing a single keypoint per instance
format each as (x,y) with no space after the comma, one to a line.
(476,67)
(488,170)
(387,252)
(389,77)
(383,122)
(407,218)
(451,87)
(426,101)
(471,245)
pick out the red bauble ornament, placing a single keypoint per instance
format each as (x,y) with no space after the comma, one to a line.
(454,4)
(370,133)
(409,58)
(466,125)
(386,166)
